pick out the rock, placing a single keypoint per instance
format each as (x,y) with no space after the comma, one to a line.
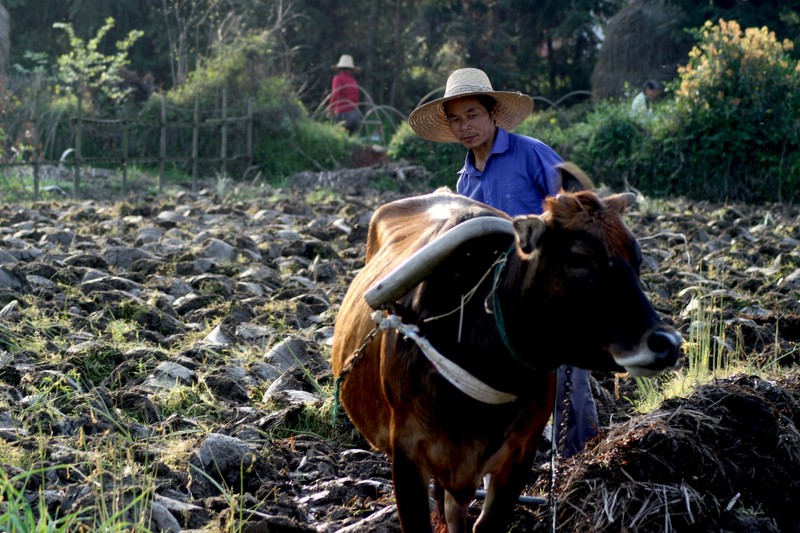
(383,521)
(189,516)
(123,256)
(9,280)
(161,519)
(225,460)
(218,249)
(289,353)
(168,375)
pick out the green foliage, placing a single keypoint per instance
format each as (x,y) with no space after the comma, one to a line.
(735,116)
(286,140)
(603,139)
(316,418)
(89,70)
(96,363)
(245,67)
(405,51)
(441,159)
(730,132)
(18,514)
(319,146)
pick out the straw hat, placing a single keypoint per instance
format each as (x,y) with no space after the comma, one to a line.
(430,122)
(346,61)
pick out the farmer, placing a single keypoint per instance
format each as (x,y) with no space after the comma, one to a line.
(343,105)
(513,173)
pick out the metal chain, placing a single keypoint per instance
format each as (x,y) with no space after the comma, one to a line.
(358,353)
(559,440)
(562,437)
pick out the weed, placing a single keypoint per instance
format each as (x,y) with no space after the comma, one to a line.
(194,401)
(709,355)
(322,196)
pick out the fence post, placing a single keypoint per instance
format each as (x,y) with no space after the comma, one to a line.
(162,157)
(224,141)
(195,142)
(125,149)
(76,185)
(250,132)
(36,163)
(36,166)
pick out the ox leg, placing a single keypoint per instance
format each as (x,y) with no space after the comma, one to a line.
(455,514)
(411,494)
(502,495)
(438,516)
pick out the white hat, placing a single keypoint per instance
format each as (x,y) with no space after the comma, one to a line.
(430,121)
(346,61)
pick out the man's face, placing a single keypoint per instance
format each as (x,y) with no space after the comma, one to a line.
(651,94)
(470,122)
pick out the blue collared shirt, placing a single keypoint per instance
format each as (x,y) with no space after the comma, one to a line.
(519,173)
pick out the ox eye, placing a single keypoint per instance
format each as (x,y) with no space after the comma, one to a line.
(579,260)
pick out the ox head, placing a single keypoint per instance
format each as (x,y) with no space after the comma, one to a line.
(572,283)
(591,260)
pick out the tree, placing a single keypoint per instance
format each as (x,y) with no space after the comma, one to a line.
(91,72)
(405,47)
(547,50)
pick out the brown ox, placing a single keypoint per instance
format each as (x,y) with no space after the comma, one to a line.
(567,292)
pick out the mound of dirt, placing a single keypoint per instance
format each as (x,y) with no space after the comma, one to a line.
(727,458)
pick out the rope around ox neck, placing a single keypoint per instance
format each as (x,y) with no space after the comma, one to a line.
(497,311)
(457,376)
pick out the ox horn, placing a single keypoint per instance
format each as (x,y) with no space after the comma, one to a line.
(422,262)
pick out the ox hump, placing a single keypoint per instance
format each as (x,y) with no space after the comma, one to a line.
(443,210)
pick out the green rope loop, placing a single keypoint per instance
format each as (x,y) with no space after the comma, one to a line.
(498,312)
(336,387)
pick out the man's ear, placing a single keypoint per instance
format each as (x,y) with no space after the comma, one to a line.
(528,230)
(573,179)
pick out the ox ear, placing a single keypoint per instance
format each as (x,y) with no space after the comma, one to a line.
(528,230)
(620,202)
(573,179)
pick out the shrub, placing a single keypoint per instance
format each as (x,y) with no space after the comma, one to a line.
(86,69)
(442,160)
(603,139)
(285,139)
(730,131)
(734,126)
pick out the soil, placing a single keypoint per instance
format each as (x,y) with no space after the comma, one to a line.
(149,351)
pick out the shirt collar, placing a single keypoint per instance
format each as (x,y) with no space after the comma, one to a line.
(500,142)
(500,145)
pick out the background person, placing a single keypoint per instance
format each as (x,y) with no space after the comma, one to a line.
(642,102)
(511,172)
(345,94)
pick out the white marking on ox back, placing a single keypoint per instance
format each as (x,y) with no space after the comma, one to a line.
(442,210)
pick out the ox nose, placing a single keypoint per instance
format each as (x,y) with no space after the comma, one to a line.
(665,343)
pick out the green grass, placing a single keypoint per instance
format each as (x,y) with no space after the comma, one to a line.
(120,487)
(709,355)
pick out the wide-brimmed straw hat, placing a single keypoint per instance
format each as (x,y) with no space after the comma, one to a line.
(430,121)
(346,61)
